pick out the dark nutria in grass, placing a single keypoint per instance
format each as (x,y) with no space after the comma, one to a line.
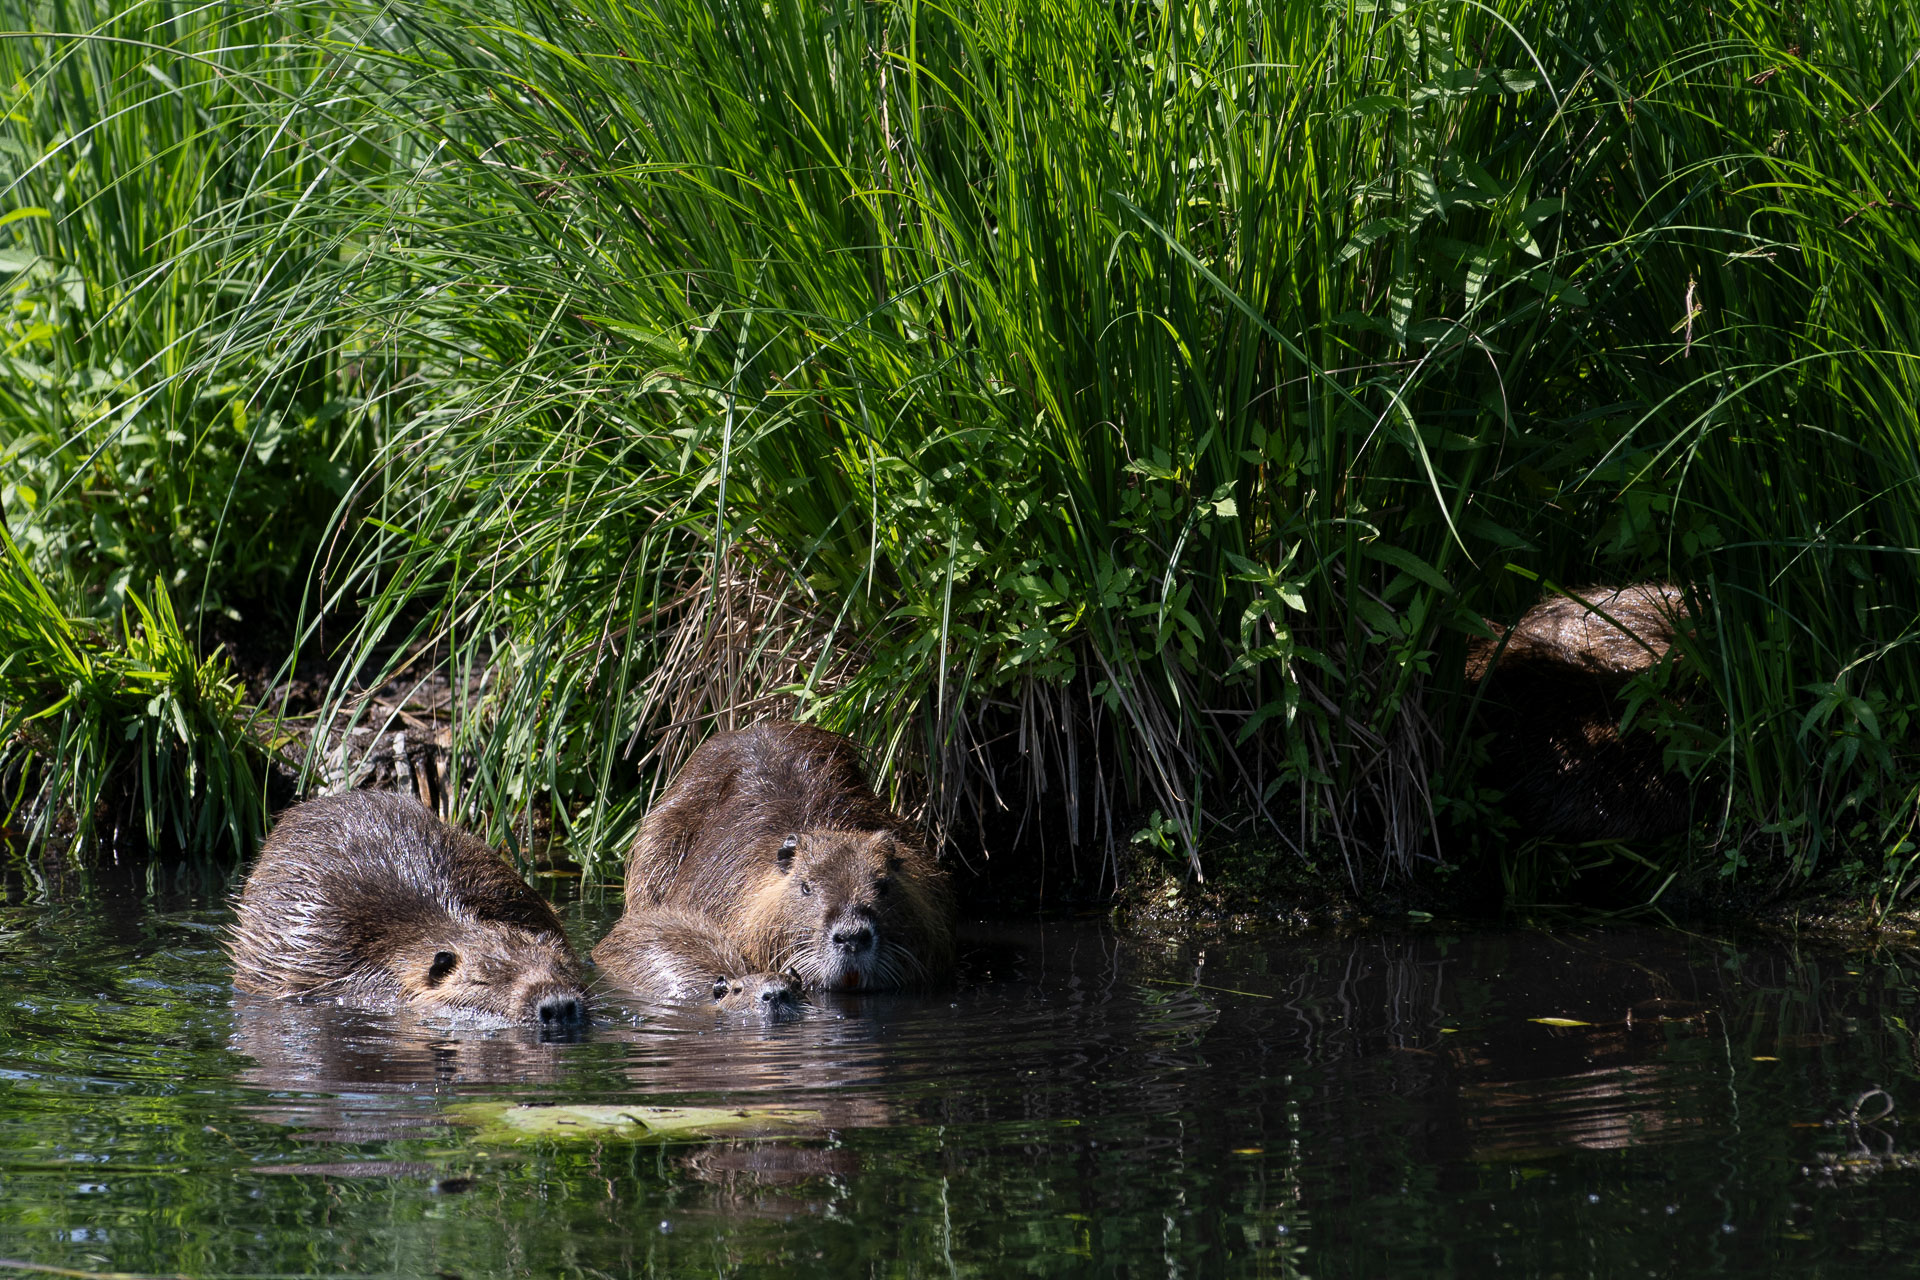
(770,853)
(1553,704)
(369,898)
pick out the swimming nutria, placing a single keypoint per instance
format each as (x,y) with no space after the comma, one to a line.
(1553,706)
(770,851)
(684,955)
(368,897)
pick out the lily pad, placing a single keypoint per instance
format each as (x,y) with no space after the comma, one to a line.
(520,1122)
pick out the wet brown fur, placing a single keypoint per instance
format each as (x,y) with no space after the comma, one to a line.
(685,955)
(368,898)
(770,851)
(1554,708)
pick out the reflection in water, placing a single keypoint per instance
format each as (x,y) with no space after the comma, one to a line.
(1614,1098)
(342,1074)
(1529,1043)
(1586,1102)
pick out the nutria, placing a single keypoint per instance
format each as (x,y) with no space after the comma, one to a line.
(769,853)
(369,898)
(685,955)
(1553,705)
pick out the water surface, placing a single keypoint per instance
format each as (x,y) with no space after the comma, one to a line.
(1082,1103)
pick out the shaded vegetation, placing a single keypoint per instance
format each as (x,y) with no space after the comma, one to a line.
(120,726)
(1099,410)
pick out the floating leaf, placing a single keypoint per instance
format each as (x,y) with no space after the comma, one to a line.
(1560,1022)
(516,1122)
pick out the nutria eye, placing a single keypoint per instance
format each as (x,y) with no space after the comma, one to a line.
(443,964)
(881,887)
(806,890)
(720,989)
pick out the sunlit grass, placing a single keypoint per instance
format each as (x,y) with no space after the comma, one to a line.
(151,157)
(159,165)
(121,725)
(1114,409)
(1106,411)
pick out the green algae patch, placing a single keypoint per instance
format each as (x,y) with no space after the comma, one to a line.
(523,1122)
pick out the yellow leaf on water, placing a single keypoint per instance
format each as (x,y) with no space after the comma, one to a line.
(515,1122)
(1560,1022)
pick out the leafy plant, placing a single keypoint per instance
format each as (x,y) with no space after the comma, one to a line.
(121,723)
(149,160)
(1098,409)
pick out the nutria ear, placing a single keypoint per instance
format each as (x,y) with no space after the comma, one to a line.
(785,856)
(720,988)
(443,964)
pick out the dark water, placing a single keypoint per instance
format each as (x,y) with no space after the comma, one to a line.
(1082,1104)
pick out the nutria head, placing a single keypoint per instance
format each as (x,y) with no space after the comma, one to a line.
(774,997)
(850,911)
(491,968)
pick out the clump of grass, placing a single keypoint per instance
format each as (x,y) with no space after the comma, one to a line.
(150,157)
(1128,410)
(152,160)
(1773,458)
(120,728)
(1006,347)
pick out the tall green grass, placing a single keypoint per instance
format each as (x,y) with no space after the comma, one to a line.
(161,166)
(1114,415)
(1781,478)
(1107,409)
(151,156)
(121,730)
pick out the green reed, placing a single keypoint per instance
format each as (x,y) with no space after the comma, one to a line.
(120,729)
(1102,409)
(151,156)
(1099,409)
(159,164)
(1783,461)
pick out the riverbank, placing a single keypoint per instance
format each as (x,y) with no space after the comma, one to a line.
(1110,419)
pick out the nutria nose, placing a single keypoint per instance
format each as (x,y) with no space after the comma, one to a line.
(853,937)
(560,1011)
(777,999)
